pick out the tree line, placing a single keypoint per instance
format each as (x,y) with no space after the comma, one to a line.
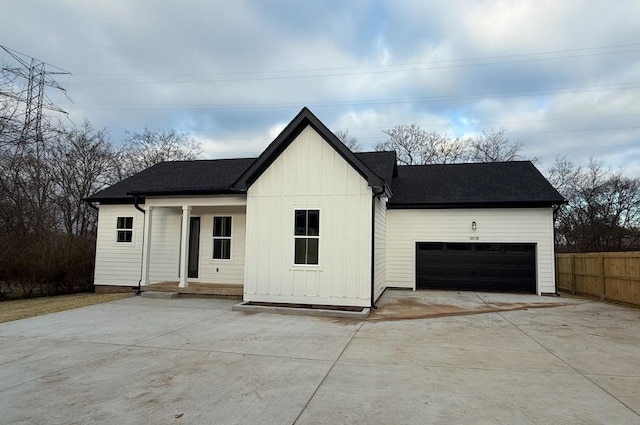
(48,232)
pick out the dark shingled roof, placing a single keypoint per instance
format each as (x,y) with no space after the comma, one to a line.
(178,177)
(467,185)
(383,164)
(209,177)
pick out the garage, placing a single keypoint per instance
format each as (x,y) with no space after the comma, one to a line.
(476,266)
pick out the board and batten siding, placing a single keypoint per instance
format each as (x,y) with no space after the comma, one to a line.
(309,174)
(496,225)
(118,263)
(380,247)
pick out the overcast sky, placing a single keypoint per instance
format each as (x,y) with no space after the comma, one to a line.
(563,77)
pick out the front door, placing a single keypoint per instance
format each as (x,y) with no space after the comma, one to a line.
(194,247)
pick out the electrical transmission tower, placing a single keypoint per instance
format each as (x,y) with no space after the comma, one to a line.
(32,98)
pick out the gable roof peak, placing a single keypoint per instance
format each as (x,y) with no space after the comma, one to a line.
(303,119)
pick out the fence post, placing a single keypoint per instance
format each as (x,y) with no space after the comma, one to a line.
(603,295)
(573,274)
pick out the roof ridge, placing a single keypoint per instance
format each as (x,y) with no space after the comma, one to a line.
(525,161)
(205,160)
(358,153)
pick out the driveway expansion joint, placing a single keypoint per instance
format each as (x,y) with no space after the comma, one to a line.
(324,378)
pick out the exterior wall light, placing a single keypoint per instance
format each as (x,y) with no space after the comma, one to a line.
(474,226)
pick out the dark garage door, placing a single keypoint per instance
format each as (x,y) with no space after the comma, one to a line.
(476,266)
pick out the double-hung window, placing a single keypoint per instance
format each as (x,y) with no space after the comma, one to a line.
(124,229)
(307,236)
(221,238)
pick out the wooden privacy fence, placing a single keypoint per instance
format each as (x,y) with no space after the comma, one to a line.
(613,276)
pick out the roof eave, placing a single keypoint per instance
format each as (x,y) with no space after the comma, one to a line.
(110,200)
(462,205)
(183,192)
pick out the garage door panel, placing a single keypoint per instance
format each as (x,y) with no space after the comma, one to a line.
(501,267)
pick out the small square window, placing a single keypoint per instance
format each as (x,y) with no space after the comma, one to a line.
(222,249)
(124,230)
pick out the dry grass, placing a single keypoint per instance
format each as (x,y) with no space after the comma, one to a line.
(21,309)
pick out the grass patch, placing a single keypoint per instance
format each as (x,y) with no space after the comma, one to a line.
(21,309)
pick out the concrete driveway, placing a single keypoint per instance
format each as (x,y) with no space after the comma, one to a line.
(193,361)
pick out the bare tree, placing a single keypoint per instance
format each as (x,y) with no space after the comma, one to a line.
(83,159)
(602,210)
(9,121)
(406,141)
(440,149)
(147,148)
(415,146)
(494,146)
(26,185)
(348,140)
(564,176)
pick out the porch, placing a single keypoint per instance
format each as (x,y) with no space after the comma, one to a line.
(185,252)
(196,288)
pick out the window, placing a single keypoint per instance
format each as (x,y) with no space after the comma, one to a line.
(307,236)
(221,238)
(124,230)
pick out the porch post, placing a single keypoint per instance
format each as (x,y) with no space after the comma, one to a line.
(184,246)
(146,250)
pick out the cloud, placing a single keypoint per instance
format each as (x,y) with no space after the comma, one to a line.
(561,77)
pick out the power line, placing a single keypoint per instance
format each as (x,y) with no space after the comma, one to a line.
(320,104)
(430,62)
(260,131)
(262,136)
(33,97)
(362,70)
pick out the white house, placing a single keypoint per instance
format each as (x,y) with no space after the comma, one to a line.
(310,222)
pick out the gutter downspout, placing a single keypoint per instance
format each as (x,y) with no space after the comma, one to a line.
(136,204)
(373,250)
(93,273)
(555,257)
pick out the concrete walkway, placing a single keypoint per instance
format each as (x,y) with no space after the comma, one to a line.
(195,361)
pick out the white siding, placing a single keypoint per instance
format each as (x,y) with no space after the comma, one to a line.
(165,244)
(406,227)
(118,263)
(309,174)
(222,271)
(165,239)
(380,247)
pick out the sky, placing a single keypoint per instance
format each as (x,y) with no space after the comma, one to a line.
(561,77)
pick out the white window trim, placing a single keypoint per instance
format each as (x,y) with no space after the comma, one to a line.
(123,229)
(230,238)
(293,228)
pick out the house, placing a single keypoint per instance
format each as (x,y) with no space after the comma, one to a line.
(310,222)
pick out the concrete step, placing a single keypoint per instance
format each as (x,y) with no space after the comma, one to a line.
(346,314)
(160,295)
